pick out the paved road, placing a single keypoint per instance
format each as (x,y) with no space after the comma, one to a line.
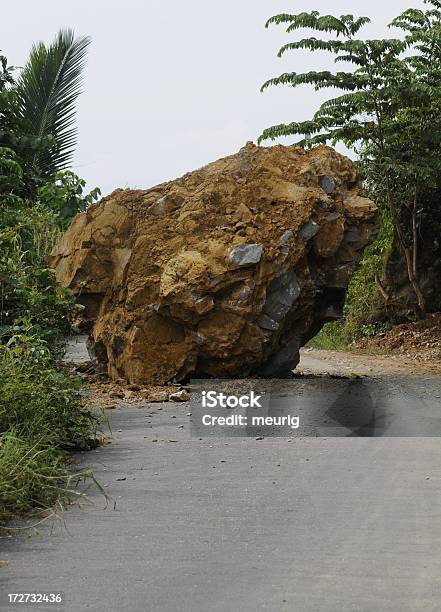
(334,524)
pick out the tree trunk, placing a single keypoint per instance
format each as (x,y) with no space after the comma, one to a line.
(411,256)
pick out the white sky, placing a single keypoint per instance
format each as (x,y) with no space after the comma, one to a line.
(173,85)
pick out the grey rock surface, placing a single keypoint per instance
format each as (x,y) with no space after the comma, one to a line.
(286,237)
(281,295)
(327,183)
(309,230)
(246,254)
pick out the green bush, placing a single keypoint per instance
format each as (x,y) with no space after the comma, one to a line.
(41,417)
(64,196)
(362,298)
(31,302)
(37,398)
(41,408)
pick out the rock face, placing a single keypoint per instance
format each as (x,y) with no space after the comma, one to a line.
(224,272)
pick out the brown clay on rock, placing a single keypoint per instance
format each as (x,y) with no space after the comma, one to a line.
(225,272)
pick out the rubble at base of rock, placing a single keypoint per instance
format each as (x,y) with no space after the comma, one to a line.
(224,272)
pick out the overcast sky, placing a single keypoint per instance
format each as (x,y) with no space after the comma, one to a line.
(173,85)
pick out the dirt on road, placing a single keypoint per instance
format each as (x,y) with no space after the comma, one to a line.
(418,342)
(317,361)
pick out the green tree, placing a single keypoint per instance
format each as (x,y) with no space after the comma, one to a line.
(37,133)
(388,110)
(37,110)
(47,91)
(11,134)
(6,82)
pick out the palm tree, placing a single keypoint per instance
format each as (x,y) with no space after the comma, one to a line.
(47,90)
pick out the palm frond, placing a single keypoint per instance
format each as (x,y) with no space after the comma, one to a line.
(47,89)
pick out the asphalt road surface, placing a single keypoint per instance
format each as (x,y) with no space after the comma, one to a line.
(340,523)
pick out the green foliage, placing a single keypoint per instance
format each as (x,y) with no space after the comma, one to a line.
(13,134)
(47,90)
(31,475)
(41,413)
(352,117)
(332,337)
(11,178)
(340,335)
(64,196)
(37,398)
(41,408)
(31,302)
(41,416)
(37,111)
(362,296)
(6,98)
(388,111)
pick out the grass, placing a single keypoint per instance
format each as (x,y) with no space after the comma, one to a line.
(41,418)
(332,336)
(341,335)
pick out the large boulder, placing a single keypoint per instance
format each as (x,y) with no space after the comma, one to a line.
(224,272)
